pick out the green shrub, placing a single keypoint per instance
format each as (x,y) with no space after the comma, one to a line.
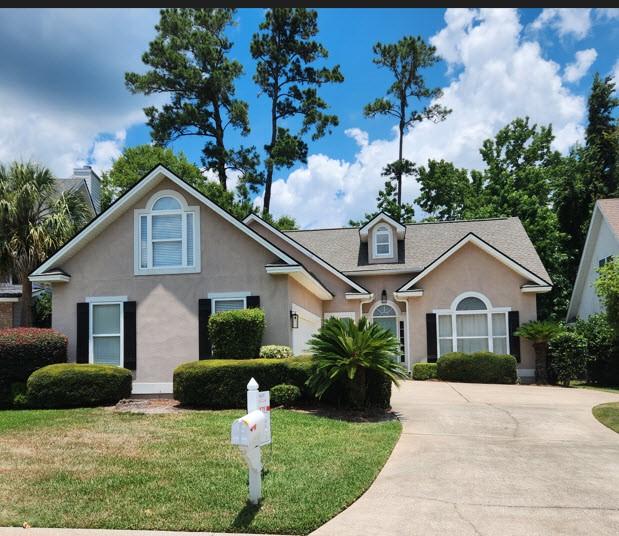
(275,351)
(285,395)
(602,349)
(480,367)
(568,356)
(424,371)
(236,334)
(378,388)
(215,383)
(77,385)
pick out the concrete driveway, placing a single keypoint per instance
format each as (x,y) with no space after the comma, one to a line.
(493,460)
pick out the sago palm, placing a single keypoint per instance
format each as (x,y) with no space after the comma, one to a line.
(343,349)
(35,220)
(539,332)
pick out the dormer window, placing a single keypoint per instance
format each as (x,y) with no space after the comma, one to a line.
(383,242)
(167,236)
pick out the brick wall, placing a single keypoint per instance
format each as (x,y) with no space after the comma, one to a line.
(6,315)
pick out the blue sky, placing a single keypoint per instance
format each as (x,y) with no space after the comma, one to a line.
(63,100)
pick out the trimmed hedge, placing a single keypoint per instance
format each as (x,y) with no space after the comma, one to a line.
(285,395)
(275,351)
(218,383)
(236,334)
(378,395)
(480,367)
(72,385)
(424,371)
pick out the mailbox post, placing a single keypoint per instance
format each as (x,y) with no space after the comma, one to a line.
(252,431)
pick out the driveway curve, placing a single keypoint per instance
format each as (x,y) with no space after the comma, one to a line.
(493,460)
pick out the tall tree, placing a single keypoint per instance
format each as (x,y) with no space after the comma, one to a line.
(35,220)
(285,72)
(405,60)
(189,62)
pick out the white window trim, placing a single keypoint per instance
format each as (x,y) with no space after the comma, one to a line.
(112,300)
(106,299)
(226,296)
(389,233)
(489,311)
(184,210)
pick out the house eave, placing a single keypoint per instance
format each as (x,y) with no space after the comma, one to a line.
(303,277)
(536,289)
(49,278)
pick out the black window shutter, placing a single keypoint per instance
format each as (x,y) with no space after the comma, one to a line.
(253,302)
(204,342)
(81,341)
(513,319)
(431,337)
(130,336)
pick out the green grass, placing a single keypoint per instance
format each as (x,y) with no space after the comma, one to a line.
(95,468)
(608,415)
(584,385)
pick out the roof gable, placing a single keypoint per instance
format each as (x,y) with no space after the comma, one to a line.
(123,203)
(382,217)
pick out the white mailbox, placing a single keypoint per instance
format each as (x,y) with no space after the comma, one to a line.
(248,431)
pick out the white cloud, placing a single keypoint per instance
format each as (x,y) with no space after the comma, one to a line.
(608,13)
(583,59)
(501,77)
(566,21)
(62,94)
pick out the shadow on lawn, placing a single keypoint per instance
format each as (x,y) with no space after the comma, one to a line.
(245,516)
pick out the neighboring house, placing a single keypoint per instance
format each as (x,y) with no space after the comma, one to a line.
(601,245)
(85,181)
(136,287)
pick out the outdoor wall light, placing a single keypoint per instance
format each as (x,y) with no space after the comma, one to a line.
(294,320)
(383,296)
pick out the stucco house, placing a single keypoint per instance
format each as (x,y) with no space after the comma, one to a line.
(136,287)
(601,245)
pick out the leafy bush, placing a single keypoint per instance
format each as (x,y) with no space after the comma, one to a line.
(236,334)
(480,367)
(424,371)
(344,351)
(285,395)
(218,383)
(77,385)
(568,356)
(24,350)
(275,351)
(602,349)
(607,288)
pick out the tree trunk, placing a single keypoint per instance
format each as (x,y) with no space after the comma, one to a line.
(399,174)
(221,148)
(541,362)
(26,302)
(266,203)
(357,389)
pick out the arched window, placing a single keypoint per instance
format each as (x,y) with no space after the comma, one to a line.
(472,324)
(387,317)
(383,243)
(167,232)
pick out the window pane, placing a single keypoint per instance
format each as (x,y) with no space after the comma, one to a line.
(473,345)
(105,318)
(190,239)
(444,326)
(143,243)
(167,253)
(382,238)
(167,203)
(472,325)
(384,310)
(387,323)
(444,346)
(167,227)
(106,350)
(229,305)
(382,249)
(499,345)
(471,304)
(498,324)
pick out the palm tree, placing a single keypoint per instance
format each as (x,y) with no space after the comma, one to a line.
(35,220)
(343,349)
(539,332)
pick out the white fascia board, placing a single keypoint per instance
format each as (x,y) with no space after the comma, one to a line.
(51,278)
(359,296)
(415,293)
(9,300)
(98,224)
(400,229)
(226,295)
(104,299)
(304,278)
(304,250)
(536,289)
(383,271)
(473,239)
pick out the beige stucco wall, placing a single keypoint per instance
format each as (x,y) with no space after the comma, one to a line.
(167,305)
(470,269)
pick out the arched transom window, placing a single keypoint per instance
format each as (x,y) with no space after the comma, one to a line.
(472,324)
(167,235)
(383,243)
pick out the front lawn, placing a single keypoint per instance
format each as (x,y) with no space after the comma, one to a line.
(584,385)
(95,468)
(608,415)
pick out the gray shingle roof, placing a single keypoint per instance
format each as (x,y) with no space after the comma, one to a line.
(424,242)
